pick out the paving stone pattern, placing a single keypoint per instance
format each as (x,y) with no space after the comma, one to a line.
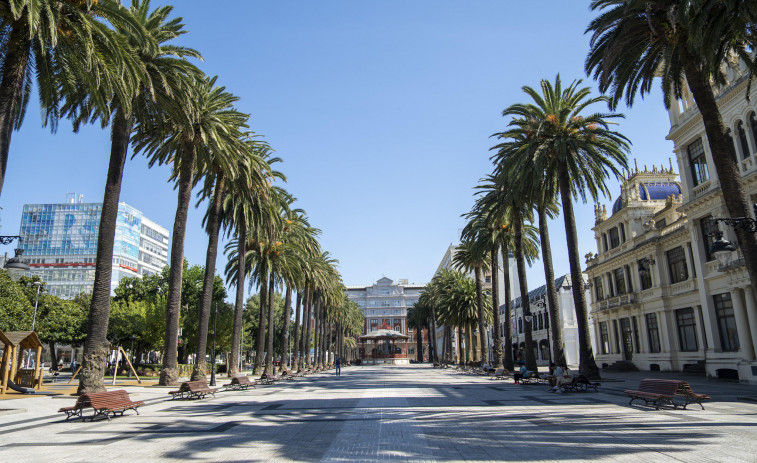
(412,413)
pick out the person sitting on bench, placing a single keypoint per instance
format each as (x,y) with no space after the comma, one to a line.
(564,378)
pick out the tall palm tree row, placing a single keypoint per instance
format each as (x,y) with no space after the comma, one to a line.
(472,256)
(555,134)
(100,61)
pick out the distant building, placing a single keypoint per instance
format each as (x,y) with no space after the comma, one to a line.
(540,328)
(385,305)
(60,244)
(447,263)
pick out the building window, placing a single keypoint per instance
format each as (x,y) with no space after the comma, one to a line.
(520,325)
(617,337)
(610,290)
(753,126)
(622,231)
(677,265)
(620,281)
(699,172)
(614,238)
(652,333)
(598,291)
(604,337)
(687,330)
(729,337)
(629,281)
(636,335)
(645,274)
(488,279)
(709,227)
(604,241)
(660,224)
(742,140)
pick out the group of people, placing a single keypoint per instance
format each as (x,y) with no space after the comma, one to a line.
(558,375)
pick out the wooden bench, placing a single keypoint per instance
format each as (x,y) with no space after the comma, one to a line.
(193,390)
(103,403)
(265,378)
(657,392)
(239,383)
(580,383)
(500,373)
(684,389)
(533,378)
(289,374)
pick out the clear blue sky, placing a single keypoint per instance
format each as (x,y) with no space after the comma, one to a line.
(381,110)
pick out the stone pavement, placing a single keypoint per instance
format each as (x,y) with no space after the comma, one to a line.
(412,413)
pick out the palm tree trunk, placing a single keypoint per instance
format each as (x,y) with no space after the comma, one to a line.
(316,332)
(96,346)
(520,261)
(169,375)
(734,194)
(285,329)
(307,319)
(262,318)
(587,364)
(271,325)
(214,226)
(15,62)
(238,325)
(480,301)
(496,338)
(419,343)
(445,352)
(558,350)
(508,354)
(297,324)
(432,336)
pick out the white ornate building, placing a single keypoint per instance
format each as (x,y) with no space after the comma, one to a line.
(385,305)
(662,300)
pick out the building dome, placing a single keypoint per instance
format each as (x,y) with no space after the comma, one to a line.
(650,192)
(658,191)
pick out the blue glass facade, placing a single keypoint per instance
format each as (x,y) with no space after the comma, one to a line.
(60,244)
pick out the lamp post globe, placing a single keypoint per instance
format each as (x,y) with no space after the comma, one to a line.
(722,248)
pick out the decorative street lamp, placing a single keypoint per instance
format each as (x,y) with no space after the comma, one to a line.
(722,248)
(38,284)
(16,266)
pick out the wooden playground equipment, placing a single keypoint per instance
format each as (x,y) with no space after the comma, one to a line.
(11,372)
(119,351)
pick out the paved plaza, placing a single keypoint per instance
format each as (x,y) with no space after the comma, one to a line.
(412,413)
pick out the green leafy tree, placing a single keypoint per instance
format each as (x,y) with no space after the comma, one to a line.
(16,313)
(60,321)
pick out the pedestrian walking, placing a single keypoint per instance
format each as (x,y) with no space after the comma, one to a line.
(338,364)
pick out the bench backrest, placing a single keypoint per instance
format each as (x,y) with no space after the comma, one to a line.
(194,386)
(499,372)
(107,399)
(666,387)
(240,380)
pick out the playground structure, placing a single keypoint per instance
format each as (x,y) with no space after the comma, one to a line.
(12,375)
(119,351)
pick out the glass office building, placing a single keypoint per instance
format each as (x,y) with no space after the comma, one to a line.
(60,244)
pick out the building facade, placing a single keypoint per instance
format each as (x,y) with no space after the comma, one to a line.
(540,328)
(384,305)
(60,244)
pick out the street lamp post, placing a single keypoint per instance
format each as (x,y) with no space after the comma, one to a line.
(38,284)
(16,265)
(213,352)
(722,248)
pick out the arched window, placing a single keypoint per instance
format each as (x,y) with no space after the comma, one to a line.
(745,153)
(731,148)
(541,322)
(753,126)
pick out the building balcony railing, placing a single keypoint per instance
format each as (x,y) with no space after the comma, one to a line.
(389,356)
(617,301)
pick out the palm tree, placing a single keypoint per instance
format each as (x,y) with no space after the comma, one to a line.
(210,132)
(580,151)
(416,321)
(55,44)
(154,78)
(472,256)
(684,42)
(251,175)
(526,181)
